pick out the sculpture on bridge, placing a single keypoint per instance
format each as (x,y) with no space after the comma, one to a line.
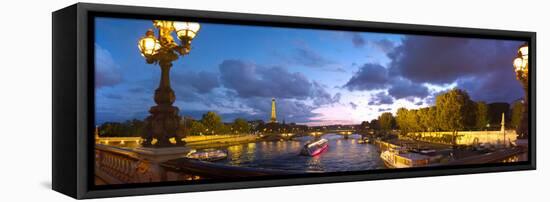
(162,125)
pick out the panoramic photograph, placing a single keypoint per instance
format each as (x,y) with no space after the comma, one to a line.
(201,101)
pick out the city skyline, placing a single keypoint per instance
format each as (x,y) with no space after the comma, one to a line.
(319,77)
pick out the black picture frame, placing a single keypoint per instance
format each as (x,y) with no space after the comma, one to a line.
(73,99)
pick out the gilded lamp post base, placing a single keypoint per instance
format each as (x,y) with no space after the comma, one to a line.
(162,125)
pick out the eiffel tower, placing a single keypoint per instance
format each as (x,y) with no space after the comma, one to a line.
(273,111)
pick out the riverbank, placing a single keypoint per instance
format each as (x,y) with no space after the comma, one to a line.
(195,142)
(203,142)
(452,155)
(464,137)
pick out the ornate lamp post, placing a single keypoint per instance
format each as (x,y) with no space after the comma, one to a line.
(521,67)
(162,124)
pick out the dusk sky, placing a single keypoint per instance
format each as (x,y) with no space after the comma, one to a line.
(317,76)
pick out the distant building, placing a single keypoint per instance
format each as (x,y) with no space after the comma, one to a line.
(495,113)
(255,124)
(273,111)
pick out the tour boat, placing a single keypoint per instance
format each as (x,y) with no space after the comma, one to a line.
(314,148)
(208,155)
(363,141)
(398,158)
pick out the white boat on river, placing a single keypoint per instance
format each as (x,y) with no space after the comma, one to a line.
(398,158)
(208,155)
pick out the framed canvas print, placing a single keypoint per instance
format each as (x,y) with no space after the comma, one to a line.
(155,100)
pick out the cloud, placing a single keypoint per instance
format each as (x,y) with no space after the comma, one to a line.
(499,86)
(357,40)
(201,82)
(187,94)
(430,100)
(116,116)
(191,86)
(287,109)
(353,105)
(443,60)
(375,77)
(295,111)
(249,80)
(107,71)
(403,88)
(369,77)
(480,66)
(321,96)
(310,58)
(380,99)
(383,45)
(301,54)
(244,89)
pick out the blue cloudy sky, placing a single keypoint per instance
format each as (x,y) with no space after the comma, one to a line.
(317,76)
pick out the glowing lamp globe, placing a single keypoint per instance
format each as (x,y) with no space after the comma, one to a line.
(524,51)
(518,64)
(149,45)
(186,31)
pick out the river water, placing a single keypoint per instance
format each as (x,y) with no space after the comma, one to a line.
(342,155)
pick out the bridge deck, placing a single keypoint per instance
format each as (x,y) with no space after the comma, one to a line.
(213,170)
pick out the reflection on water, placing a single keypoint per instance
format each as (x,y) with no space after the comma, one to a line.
(341,155)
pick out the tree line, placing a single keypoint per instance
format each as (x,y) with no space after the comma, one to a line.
(453,111)
(210,123)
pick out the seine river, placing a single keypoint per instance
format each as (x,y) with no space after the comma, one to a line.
(341,155)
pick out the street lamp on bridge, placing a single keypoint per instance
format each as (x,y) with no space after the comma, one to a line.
(521,67)
(162,124)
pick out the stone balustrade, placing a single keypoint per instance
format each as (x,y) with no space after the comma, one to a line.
(120,165)
(119,141)
(116,165)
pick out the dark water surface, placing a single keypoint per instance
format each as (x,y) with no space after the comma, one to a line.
(342,155)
